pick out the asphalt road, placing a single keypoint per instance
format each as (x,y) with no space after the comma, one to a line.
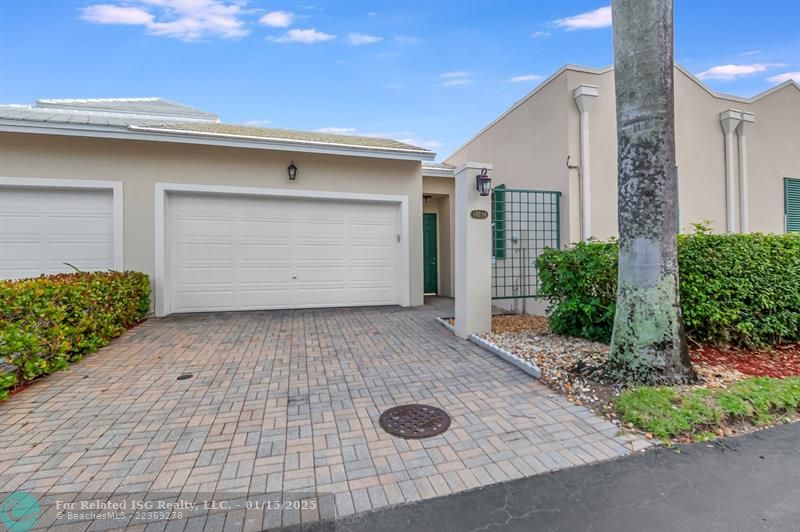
(749,484)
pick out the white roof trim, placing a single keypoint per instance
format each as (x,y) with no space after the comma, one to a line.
(213,139)
(733,98)
(431,171)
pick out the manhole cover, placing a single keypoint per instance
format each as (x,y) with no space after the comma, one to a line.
(184,376)
(414,421)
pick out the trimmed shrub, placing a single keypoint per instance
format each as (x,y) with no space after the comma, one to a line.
(736,289)
(48,322)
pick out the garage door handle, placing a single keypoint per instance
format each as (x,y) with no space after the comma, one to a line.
(294,277)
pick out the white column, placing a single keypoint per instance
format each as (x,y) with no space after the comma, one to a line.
(473,254)
(730,120)
(744,193)
(584,97)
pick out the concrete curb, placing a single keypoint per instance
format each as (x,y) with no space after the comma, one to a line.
(443,321)
(528,367)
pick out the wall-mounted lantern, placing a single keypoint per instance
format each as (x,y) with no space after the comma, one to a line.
(483,183)
(292,170)
(427,198)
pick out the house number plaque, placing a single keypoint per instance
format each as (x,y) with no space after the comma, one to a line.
(479,214)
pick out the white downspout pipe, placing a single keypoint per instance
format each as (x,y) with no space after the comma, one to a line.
(730,120)
(584,97)
(744,194)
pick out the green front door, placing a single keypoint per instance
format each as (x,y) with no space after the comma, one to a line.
(429,258)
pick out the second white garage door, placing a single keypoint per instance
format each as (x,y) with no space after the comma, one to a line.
(241,252)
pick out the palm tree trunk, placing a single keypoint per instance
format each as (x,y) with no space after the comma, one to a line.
(648,343)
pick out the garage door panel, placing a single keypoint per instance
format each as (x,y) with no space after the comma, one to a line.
(206,300)
(281,252)
(265,298)
(41,228)
(202,277)
(206,250)
(264,275)
(265,252)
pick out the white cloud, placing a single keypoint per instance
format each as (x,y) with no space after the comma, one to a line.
(372,14)
(540,34)
(455,78)
(598,18)
(307,36)
(751,52)
(357,39)
(731,72)
(277,19)
(525,77)
(455,82)
(455,74)
(786,76)
(189,20)
(111,14)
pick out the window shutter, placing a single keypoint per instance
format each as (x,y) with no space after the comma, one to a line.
(791,188)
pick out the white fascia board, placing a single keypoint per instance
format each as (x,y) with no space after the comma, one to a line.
(437,172)
(233,141)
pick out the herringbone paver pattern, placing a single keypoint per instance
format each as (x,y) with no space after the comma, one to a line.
(284,401)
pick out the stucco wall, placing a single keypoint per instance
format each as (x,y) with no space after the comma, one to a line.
(773,144)
(528,146)
(141,164)
(773,153)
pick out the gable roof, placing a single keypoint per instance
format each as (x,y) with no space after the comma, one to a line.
(157,119)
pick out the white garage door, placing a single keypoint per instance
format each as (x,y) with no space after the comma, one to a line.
(41,229)
(241,252)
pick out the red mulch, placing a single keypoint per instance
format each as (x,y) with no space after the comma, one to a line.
(781,361)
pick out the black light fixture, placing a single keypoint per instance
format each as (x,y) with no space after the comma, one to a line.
(483,183)
(427,198)
(292,169)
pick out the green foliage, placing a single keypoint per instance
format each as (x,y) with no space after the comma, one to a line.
(48,322)
(581,285)
(736,289)
(668,412)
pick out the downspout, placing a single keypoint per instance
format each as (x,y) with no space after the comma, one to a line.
(584,98)
(744,196)
(730,120)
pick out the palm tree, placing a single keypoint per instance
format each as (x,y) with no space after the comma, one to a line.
(648,343)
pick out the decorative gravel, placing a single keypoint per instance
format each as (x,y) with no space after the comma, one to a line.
(568,365)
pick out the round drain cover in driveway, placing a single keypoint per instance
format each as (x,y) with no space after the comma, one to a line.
(414,421)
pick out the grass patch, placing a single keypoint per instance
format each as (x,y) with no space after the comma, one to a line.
(669,412)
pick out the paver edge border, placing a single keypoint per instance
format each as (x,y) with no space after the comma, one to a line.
(526,366)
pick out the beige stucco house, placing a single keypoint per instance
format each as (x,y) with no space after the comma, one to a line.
(734,154)
(212,211)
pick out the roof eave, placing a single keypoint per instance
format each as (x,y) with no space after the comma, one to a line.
(428,171)
(191,137)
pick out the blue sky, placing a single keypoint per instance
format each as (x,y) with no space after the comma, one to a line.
(429,72)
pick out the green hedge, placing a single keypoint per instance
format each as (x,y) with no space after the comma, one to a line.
(736,289)
(47,322)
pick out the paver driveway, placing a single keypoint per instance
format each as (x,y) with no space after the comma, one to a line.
(282,401)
